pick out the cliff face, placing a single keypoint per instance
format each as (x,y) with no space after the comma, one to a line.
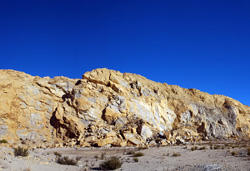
(107,108)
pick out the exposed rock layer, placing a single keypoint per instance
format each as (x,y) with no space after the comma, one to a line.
(109,108)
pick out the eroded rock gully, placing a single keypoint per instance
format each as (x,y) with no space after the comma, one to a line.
(109,108)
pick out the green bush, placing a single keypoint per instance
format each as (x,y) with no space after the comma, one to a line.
(138,154)
(20,151)
(66,161)
(111,164)
(3,141)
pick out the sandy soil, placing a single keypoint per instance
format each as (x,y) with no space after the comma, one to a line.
(154,159)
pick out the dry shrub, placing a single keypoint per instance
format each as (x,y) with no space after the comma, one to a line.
(103,155)
(57,154)
(136,159)
(202,148)
(234,153)
(130,152)
(176,154)
(66,161)
(138,154)
(3,141)
(248,151)
(21,151)
(111,164)
(142,148)
(194,148)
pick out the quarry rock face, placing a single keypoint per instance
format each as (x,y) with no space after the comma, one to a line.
(109,108)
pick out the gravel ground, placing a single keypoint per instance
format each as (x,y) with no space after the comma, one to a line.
(154,159)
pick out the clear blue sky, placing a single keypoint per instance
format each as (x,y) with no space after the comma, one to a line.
(203,44)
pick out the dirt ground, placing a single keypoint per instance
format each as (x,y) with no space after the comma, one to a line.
(206,156)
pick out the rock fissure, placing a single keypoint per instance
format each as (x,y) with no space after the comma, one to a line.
(109,108)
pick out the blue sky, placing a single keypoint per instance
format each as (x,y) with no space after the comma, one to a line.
(202,44)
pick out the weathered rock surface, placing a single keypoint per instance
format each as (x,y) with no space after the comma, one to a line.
(109,108)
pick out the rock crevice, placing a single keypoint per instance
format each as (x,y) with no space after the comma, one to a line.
(109,108)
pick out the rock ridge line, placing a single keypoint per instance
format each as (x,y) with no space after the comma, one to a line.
(109,108)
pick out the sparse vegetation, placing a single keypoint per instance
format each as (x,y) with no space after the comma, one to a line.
(130,152)
(217,147)
(138,154)
(202,148)
(21,151)
(103,155)
(3,141)
(142,148)
(78,158)
(176,154)
(111,164)
(234,153)
(248,151)
(136,159)
(194,148)
(66,161)
(57,154)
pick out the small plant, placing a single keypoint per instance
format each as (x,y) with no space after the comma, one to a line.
(66,161)
(3,141)
(78,158)
(142,148)
(20,151)
(176,154)
(234,153)
(248,151)
(111,164)
(103,155)
(138,154)
(217,147)
(136,159)
(130,152)
(202,148)
(194,148)
(57,154)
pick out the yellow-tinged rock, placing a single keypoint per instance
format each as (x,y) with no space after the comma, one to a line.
(108,105)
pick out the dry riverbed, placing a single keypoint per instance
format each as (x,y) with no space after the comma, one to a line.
(198,157)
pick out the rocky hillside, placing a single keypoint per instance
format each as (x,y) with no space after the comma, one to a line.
(109,108)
